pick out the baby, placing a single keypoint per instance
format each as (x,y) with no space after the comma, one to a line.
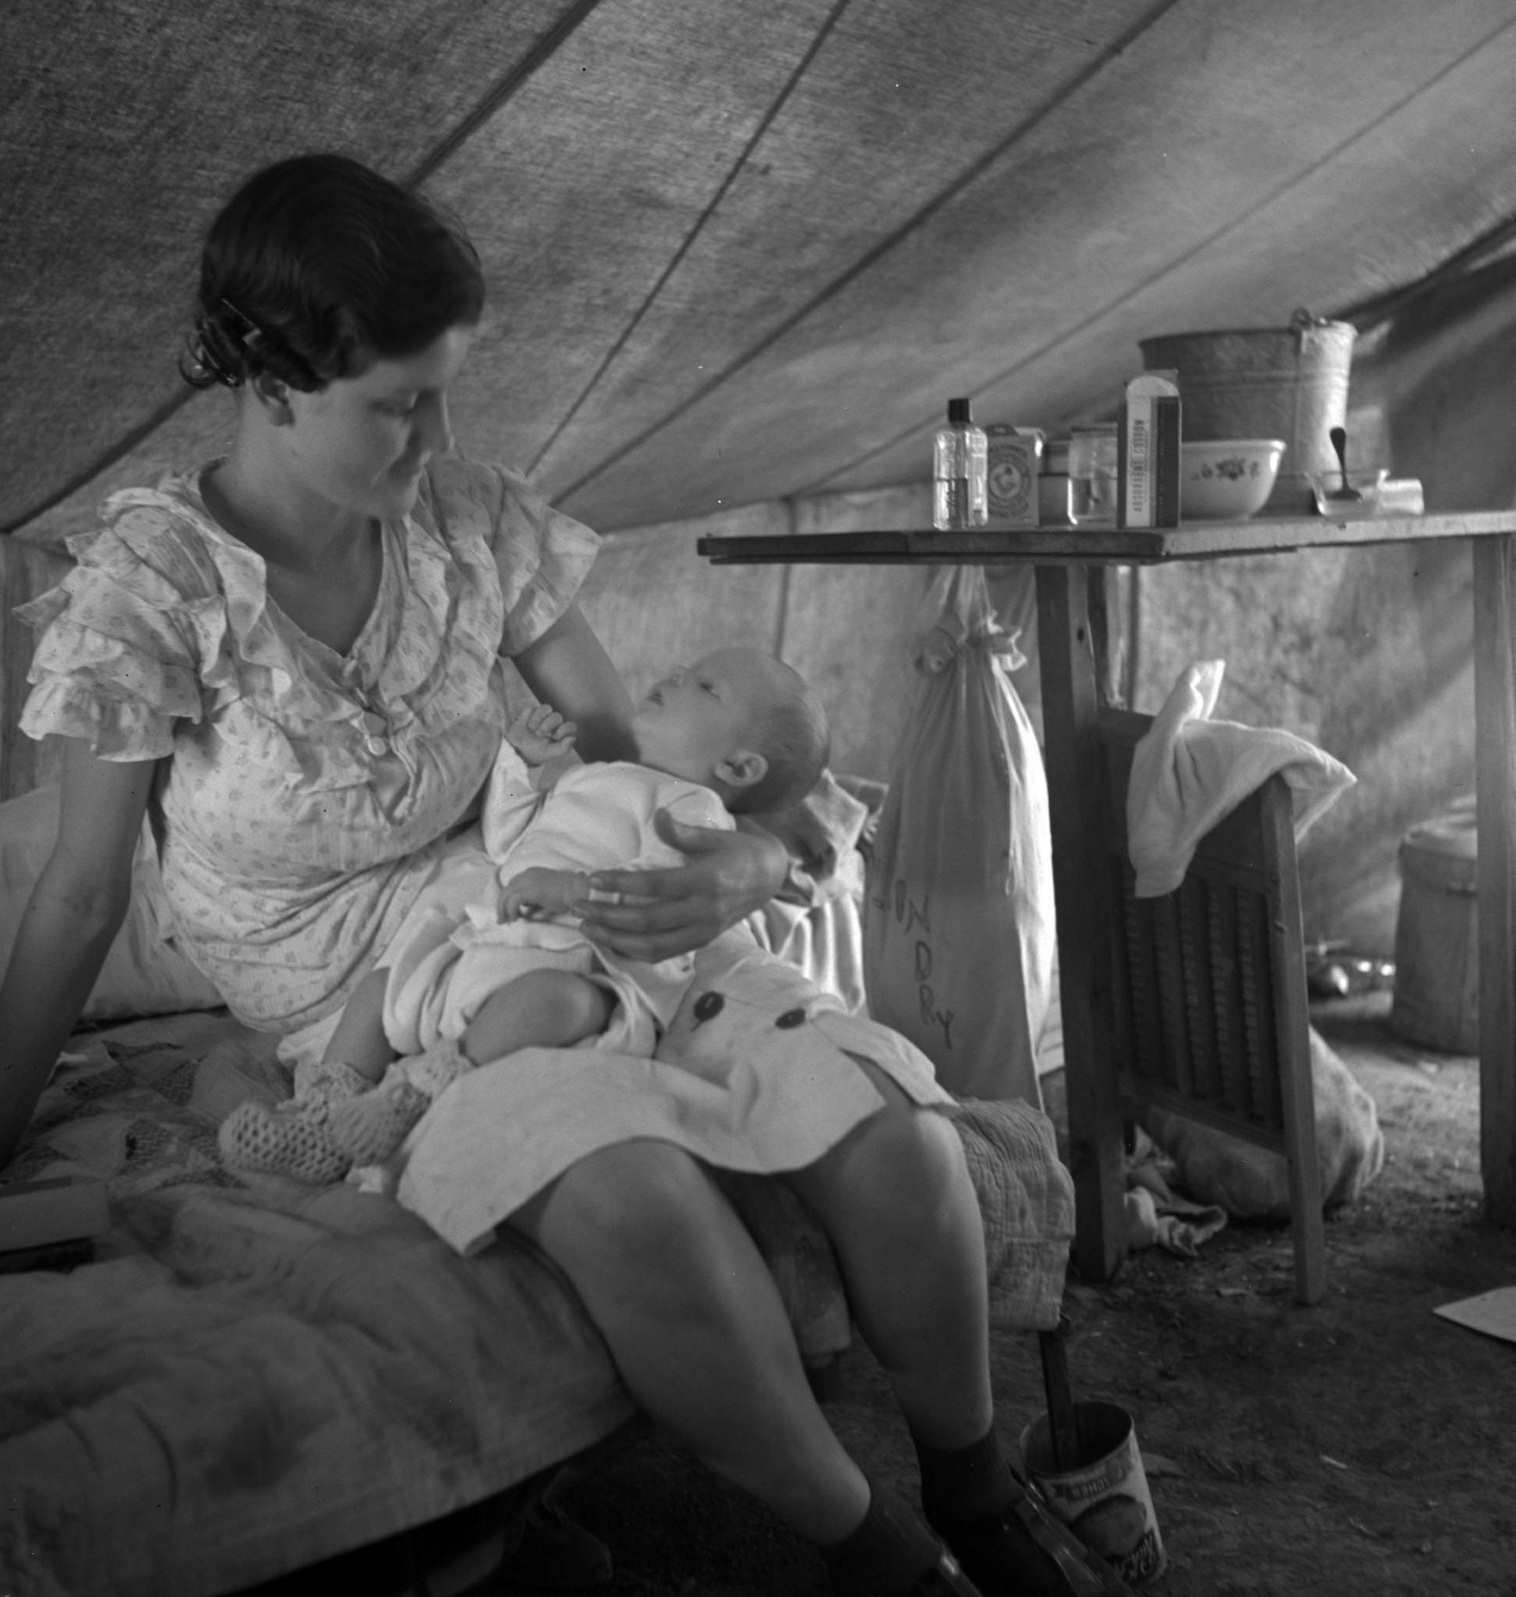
(491,958)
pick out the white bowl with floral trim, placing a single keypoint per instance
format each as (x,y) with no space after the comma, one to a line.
(1226,479)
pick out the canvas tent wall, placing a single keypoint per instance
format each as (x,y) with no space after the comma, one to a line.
(739,256)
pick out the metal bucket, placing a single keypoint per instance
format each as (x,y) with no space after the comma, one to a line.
(1265,382)
(1436,1000)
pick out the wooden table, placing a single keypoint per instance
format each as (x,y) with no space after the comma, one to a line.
(1071,665)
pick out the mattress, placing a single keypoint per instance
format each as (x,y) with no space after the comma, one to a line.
(248,1379)
(252,1376)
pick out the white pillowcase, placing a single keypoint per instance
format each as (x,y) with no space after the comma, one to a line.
(143,974)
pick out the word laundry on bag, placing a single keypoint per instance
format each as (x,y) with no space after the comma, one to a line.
(958,922)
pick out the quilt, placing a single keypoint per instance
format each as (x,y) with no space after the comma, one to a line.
(247,1380)
(251,1377)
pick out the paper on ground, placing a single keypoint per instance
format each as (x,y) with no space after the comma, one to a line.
(1492,1312)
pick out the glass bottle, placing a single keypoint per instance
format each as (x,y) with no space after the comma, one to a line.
(1092,475)
(960,472)
(1053,485)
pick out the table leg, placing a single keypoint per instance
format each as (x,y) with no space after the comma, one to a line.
(1495,755)
(1076,786)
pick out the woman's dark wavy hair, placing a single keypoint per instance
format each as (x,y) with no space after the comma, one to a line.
(316,266)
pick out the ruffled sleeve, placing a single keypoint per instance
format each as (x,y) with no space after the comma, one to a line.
(119,651)
(542,556)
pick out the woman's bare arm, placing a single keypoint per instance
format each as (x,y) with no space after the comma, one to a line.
(568,668)
(66,930)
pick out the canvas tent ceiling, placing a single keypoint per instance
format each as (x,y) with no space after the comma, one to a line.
(736,250)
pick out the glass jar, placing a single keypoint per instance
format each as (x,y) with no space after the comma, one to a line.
(1092,475)
(1053,485)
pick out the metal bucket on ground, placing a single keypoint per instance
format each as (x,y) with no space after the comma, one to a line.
(1265,382)
(1436,1001)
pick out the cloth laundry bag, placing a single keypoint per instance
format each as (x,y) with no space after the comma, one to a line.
(958,922)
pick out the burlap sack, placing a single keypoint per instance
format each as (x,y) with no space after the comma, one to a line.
(1252,1183)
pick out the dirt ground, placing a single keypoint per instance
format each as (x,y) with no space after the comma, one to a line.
(1362,1446)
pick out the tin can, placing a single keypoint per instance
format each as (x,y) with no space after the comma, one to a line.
(1015,459)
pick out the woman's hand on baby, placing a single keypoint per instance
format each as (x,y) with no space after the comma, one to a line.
(656,914)
(540,733)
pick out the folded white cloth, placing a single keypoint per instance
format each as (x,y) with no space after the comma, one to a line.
(1189,771)
(1177,1226)
(1155,1213)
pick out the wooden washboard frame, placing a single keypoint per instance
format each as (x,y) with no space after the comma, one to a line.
(1210,1016)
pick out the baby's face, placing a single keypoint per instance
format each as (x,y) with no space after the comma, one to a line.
(698,715)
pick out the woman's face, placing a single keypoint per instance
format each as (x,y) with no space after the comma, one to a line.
(362,442)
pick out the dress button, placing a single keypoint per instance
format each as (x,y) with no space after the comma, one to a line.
(374,729)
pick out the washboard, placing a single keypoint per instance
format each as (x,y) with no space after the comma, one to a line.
(1209,1004)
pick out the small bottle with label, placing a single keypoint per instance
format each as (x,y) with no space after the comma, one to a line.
(960,472)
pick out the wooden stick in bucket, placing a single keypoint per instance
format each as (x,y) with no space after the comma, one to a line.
(1063,1426)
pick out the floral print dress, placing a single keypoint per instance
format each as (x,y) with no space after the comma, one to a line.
(309,793)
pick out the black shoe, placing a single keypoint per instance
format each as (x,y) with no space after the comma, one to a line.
(1027,1551)
(554,1554)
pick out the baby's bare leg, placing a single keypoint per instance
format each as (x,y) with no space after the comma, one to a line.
(543,1009)
(359,1040)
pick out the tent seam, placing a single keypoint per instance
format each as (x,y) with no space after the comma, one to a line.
(696,229)
(821,484)
(544,47)
(879,250)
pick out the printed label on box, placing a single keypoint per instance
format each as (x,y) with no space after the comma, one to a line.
(1015,455)
(1148,464)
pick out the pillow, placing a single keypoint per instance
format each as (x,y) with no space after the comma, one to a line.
(821,833)
(143,974)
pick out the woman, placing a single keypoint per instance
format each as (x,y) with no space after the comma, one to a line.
(292,660)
